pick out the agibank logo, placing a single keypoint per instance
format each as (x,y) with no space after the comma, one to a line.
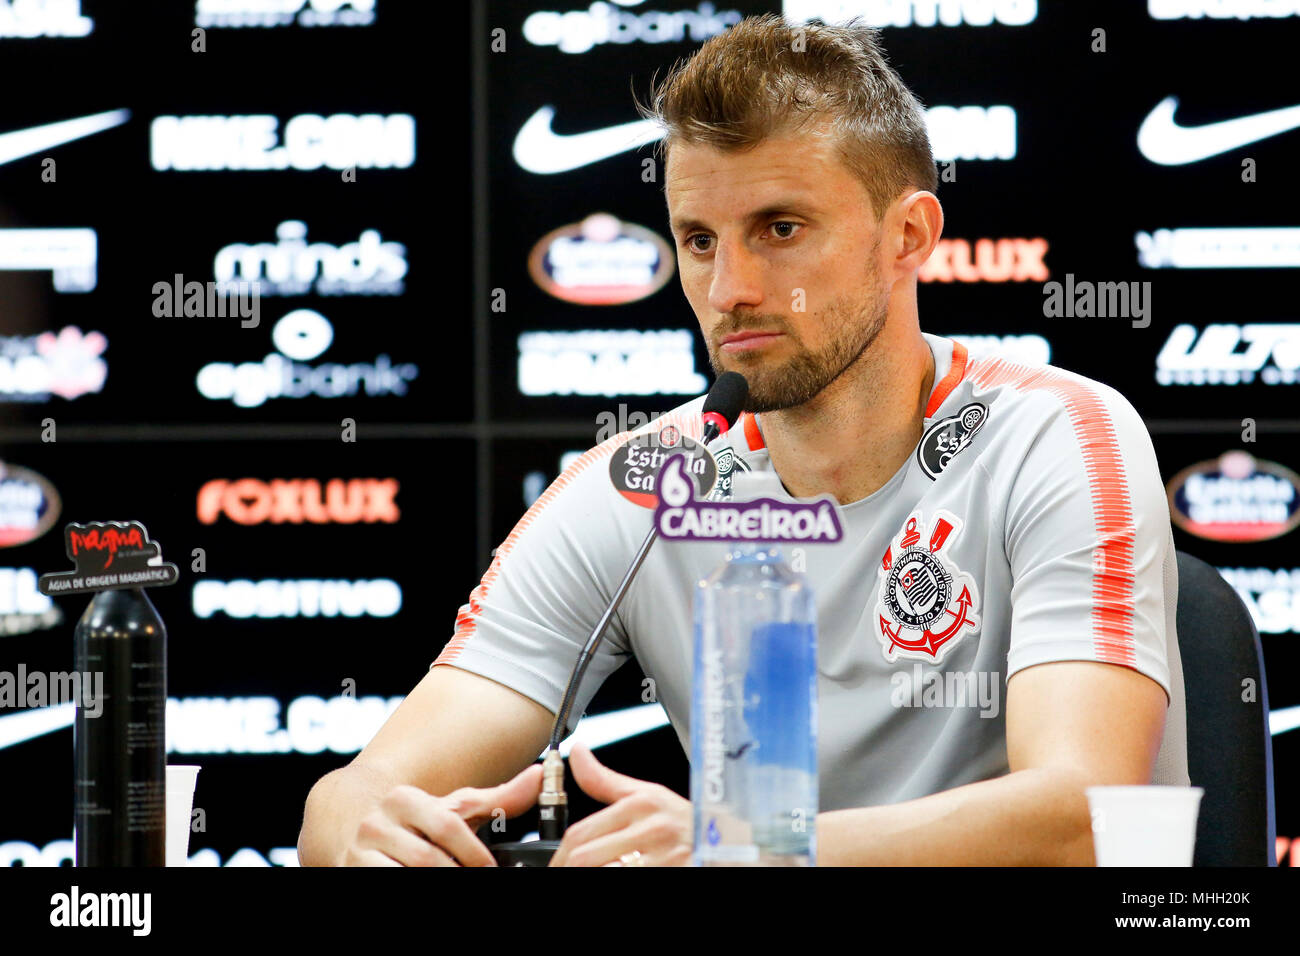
(298,337)
(926,604)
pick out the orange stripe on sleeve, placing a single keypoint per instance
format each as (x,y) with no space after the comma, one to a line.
(1113,574)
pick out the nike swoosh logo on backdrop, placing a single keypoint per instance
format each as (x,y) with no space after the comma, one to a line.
(1161,140)
(539,149)
(1283,719)
(30,724)
(25,142)
(601,730)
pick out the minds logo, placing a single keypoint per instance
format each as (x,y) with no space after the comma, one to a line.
(298,337)
(601,261)
(292,266)
(1237,498)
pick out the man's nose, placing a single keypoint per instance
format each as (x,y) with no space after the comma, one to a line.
(737,278)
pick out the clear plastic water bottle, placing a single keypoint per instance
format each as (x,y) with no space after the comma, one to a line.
(754,714)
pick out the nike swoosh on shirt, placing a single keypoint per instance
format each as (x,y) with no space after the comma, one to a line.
(25,142)
(539,149)
(1161,140)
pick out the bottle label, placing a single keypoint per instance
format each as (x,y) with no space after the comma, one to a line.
(682,516)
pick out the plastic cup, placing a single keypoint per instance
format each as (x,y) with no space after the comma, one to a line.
(1144,826)
(180,802)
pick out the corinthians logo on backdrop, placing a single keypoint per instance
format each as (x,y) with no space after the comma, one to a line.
(601,261)
(926,603)
(946,437)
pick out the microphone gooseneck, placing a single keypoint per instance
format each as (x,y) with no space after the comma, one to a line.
(722,406)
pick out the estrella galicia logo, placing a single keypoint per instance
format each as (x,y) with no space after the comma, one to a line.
(946,437)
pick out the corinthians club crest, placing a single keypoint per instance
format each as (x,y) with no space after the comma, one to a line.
(926,604)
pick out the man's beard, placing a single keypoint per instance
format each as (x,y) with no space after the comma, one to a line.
(801,378)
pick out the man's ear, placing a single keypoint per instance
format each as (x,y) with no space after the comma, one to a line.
(919,219)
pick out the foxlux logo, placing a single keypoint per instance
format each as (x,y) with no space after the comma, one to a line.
(299,336)
(249,501)
(340,141)
(680,516)
(369,266)
(1000,260)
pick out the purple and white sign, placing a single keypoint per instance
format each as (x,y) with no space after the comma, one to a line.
(681,516)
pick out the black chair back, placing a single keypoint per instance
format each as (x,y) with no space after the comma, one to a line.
(1229,749)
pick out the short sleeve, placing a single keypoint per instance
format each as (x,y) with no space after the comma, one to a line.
(1087,536)
(548,584)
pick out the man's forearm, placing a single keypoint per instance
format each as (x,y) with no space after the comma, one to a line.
(334,808)
(1034,817)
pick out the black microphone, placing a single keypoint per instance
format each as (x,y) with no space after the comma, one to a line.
(722,406)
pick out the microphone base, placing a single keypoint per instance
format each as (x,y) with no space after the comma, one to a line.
(531,853)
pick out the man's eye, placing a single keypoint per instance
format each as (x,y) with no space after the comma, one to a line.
(785,229)
(698,243)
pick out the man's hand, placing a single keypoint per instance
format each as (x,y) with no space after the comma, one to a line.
(410,827)
(642,816)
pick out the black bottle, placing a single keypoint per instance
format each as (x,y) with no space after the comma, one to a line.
(120,755)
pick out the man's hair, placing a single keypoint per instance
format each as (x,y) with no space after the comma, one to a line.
(765,77)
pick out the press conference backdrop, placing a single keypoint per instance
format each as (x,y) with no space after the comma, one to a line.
(455,295)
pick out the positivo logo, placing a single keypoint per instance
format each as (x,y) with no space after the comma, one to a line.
(298,337)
